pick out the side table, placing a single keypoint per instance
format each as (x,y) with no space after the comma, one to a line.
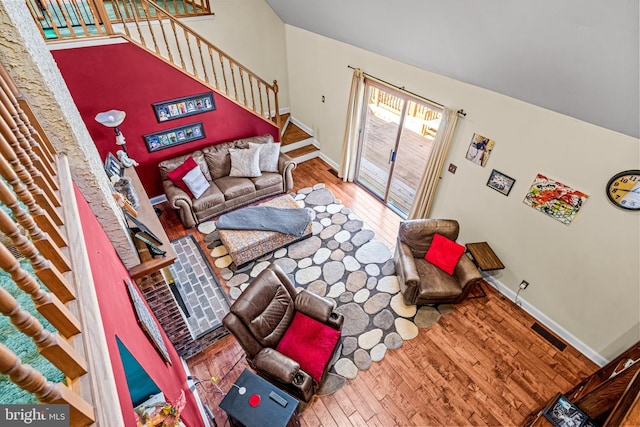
(243,410)
(484,258)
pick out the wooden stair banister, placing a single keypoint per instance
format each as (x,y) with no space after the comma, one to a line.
(77,344)
(176,47)
(27,378)
(627,410)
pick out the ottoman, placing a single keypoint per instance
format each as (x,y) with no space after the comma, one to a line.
(246,245)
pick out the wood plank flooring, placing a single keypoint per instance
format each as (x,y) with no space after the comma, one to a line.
(480,365)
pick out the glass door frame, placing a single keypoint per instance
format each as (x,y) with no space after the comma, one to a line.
(406,98)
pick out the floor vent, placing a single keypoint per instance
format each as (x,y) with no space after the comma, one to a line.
(333,172)
(548,336)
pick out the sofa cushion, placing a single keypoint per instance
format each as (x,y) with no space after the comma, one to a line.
(196,182)
(269,155)
(310,343)
(233,187)
(444,253)
(245,162)
(176,176)
(266,180)
(218,161)
(210,198)
(435,283)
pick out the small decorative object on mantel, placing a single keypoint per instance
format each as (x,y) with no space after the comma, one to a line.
(113,119)
(183,107)
(623,189)
(124,187)
(554,199)
(175,136)
(480,149)
(500,182)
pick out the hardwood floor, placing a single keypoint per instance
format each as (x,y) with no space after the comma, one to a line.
(479,365)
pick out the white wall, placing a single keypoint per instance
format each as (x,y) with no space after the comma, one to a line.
(251,33)
(584,276)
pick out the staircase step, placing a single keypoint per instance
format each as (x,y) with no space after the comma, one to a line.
(293,134)
(284,121)
(304,153)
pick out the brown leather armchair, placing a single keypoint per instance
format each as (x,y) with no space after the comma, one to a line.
(421,282)
(261,316)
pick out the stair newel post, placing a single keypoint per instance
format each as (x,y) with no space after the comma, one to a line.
(275,101)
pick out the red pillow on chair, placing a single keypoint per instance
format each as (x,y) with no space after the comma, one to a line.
(310,343)
(178,173)
(444,253)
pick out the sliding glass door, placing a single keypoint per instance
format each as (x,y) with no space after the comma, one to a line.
(395,144)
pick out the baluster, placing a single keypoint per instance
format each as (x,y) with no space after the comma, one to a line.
(22,149)
(213,67)
(41,145)
(46,272)
(20,172)
(204,67)
(65,15)
(50,344)
(224,74)
(27,378)
(145,8)
(277,107)
(164,36)
(183,64)
(39,215)
(46,303)
(253,96)
(233,80)
(260,84)
(244,90)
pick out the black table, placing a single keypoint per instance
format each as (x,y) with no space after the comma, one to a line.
(267,412)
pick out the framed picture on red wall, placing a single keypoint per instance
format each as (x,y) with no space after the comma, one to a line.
(174,136)
(183,107)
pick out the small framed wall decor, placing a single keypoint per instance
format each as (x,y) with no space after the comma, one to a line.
(174,136)
(113,167)
(183,107)
(500,182)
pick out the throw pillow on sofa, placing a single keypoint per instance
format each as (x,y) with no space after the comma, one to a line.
(196,182)
(269,155)
(178,173)
(245,162)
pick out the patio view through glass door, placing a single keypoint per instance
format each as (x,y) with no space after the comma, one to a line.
(395,144)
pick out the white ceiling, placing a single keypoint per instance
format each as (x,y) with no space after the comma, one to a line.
(576,57)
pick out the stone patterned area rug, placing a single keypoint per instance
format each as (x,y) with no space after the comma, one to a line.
(202,301)
(343,261)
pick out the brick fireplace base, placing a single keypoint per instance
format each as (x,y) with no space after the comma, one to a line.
(158,295)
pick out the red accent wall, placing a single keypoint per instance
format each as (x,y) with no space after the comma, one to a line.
(120,320)
(126,77)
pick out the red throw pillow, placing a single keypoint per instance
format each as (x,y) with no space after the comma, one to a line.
(178,173)
(310,343)
(444,253)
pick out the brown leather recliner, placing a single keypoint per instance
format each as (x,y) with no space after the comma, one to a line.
(421,282)
(259,319)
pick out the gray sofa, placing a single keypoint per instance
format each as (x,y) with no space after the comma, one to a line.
(226,192)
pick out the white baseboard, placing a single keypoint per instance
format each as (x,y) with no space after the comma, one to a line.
(548,322)
(301,125)
(329,161)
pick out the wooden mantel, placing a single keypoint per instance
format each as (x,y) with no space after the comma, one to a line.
(147,215)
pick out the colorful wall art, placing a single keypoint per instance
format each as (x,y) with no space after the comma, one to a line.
(479,149)
(555,199)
